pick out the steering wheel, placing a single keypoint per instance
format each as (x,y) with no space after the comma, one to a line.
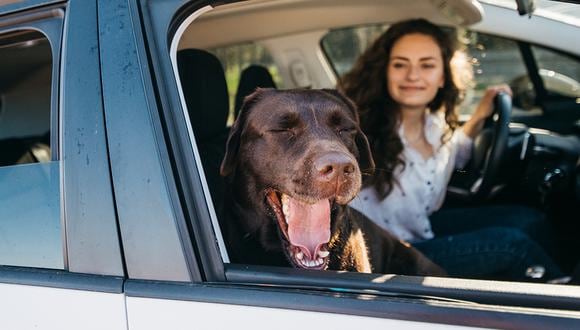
(488,154)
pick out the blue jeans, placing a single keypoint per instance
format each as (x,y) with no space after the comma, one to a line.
(488,242)
(451,221)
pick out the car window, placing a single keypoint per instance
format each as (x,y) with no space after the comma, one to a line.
(495,61)
(30,226)
(559,72)
(236,58)
(343,46)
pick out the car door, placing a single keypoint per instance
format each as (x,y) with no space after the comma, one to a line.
(179,274)
(60,261)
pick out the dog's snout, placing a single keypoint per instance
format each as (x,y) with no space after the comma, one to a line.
(332,165)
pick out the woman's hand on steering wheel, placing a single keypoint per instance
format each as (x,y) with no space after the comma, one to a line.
(485,109)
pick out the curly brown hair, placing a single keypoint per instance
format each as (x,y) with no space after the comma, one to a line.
(366,85)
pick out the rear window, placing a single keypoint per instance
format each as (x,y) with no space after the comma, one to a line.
(30,226)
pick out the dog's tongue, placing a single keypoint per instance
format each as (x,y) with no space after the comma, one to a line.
(308,224)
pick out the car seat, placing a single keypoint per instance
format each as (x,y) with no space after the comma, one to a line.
(205,90)
(251,78)
(25,150)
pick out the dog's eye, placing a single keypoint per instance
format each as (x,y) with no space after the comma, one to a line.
(282,131)
(347,131)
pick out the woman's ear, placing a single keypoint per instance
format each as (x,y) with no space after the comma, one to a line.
(233,145)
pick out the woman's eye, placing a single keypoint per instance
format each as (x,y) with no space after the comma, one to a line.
(398,65)
(428,66)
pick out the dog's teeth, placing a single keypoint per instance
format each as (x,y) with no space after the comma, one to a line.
(285,208)
(319,262)
(300,255)
(285,199)
(323,253)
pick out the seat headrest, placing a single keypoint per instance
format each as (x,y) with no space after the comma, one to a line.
(206,94)
(251,78)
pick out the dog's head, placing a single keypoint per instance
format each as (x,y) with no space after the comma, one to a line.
(293,156)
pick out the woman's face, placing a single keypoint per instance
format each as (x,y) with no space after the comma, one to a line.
(414,71)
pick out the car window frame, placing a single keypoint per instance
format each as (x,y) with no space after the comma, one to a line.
(49,24)
(141,168)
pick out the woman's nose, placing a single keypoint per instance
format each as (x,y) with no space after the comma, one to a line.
(413,73)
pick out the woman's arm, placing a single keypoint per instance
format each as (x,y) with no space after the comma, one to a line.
(485,108)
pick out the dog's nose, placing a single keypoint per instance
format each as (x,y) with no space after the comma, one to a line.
(333,165)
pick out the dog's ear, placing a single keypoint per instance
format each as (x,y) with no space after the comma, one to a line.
(344,99)
(233,144)
(366,161)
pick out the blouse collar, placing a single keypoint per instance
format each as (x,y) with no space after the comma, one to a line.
(434,128)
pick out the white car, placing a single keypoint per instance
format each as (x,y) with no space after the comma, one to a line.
(108,165)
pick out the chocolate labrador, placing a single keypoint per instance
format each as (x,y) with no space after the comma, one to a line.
(293,162)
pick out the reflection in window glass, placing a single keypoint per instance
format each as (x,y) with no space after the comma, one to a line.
(30,226)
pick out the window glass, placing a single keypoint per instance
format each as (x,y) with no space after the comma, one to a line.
(236,58)
(560,73)
(495,61)
(30,226)
(343,47)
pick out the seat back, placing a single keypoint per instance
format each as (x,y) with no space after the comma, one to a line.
(205,90)
(251,78)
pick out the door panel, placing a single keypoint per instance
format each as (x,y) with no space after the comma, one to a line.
(149,313)
(31,307)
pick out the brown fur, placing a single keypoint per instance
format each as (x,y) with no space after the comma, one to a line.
(280,142)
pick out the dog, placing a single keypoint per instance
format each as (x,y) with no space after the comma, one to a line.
(291,166)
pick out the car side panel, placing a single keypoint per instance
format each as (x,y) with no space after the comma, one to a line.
(91,223)
(150,313)
(55,299)
(35,307)
(152,244)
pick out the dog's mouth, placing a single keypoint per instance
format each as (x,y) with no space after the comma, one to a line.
(306,227)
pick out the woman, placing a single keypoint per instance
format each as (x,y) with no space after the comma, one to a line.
(406,93)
